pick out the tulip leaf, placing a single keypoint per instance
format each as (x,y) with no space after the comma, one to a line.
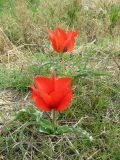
(45,126)
(28,114)
(32,117)
(35,117)
(47,63)
(52,64)
(69,129)
(88,73)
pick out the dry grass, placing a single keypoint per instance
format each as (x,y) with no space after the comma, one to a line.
(23,26)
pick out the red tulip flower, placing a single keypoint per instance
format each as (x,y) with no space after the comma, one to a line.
(62,41)
(52,93)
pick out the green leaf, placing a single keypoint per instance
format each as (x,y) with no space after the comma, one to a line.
(28,114)
(63,129)
(68,129)
(88,73)
(34,117)
(47,63)
(45,126)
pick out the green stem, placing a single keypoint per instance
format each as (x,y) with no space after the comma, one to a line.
(63,64)
(54,119)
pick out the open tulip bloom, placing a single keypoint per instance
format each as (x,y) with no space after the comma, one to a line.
(62,41)
(52,93)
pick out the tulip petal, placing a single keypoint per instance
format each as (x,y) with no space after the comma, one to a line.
(44,84)
(65,102)
(62,83)
(54,40)
(61,32)
(74,34)
(69,44)
(56,98)
(53,78)
(61,36)
(39,102)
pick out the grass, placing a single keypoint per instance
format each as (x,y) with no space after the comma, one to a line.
(20,77)
(94,64)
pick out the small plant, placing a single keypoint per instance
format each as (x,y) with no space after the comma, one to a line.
(113,16)
(35,118)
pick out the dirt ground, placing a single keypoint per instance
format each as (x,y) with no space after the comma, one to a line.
(10,101)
